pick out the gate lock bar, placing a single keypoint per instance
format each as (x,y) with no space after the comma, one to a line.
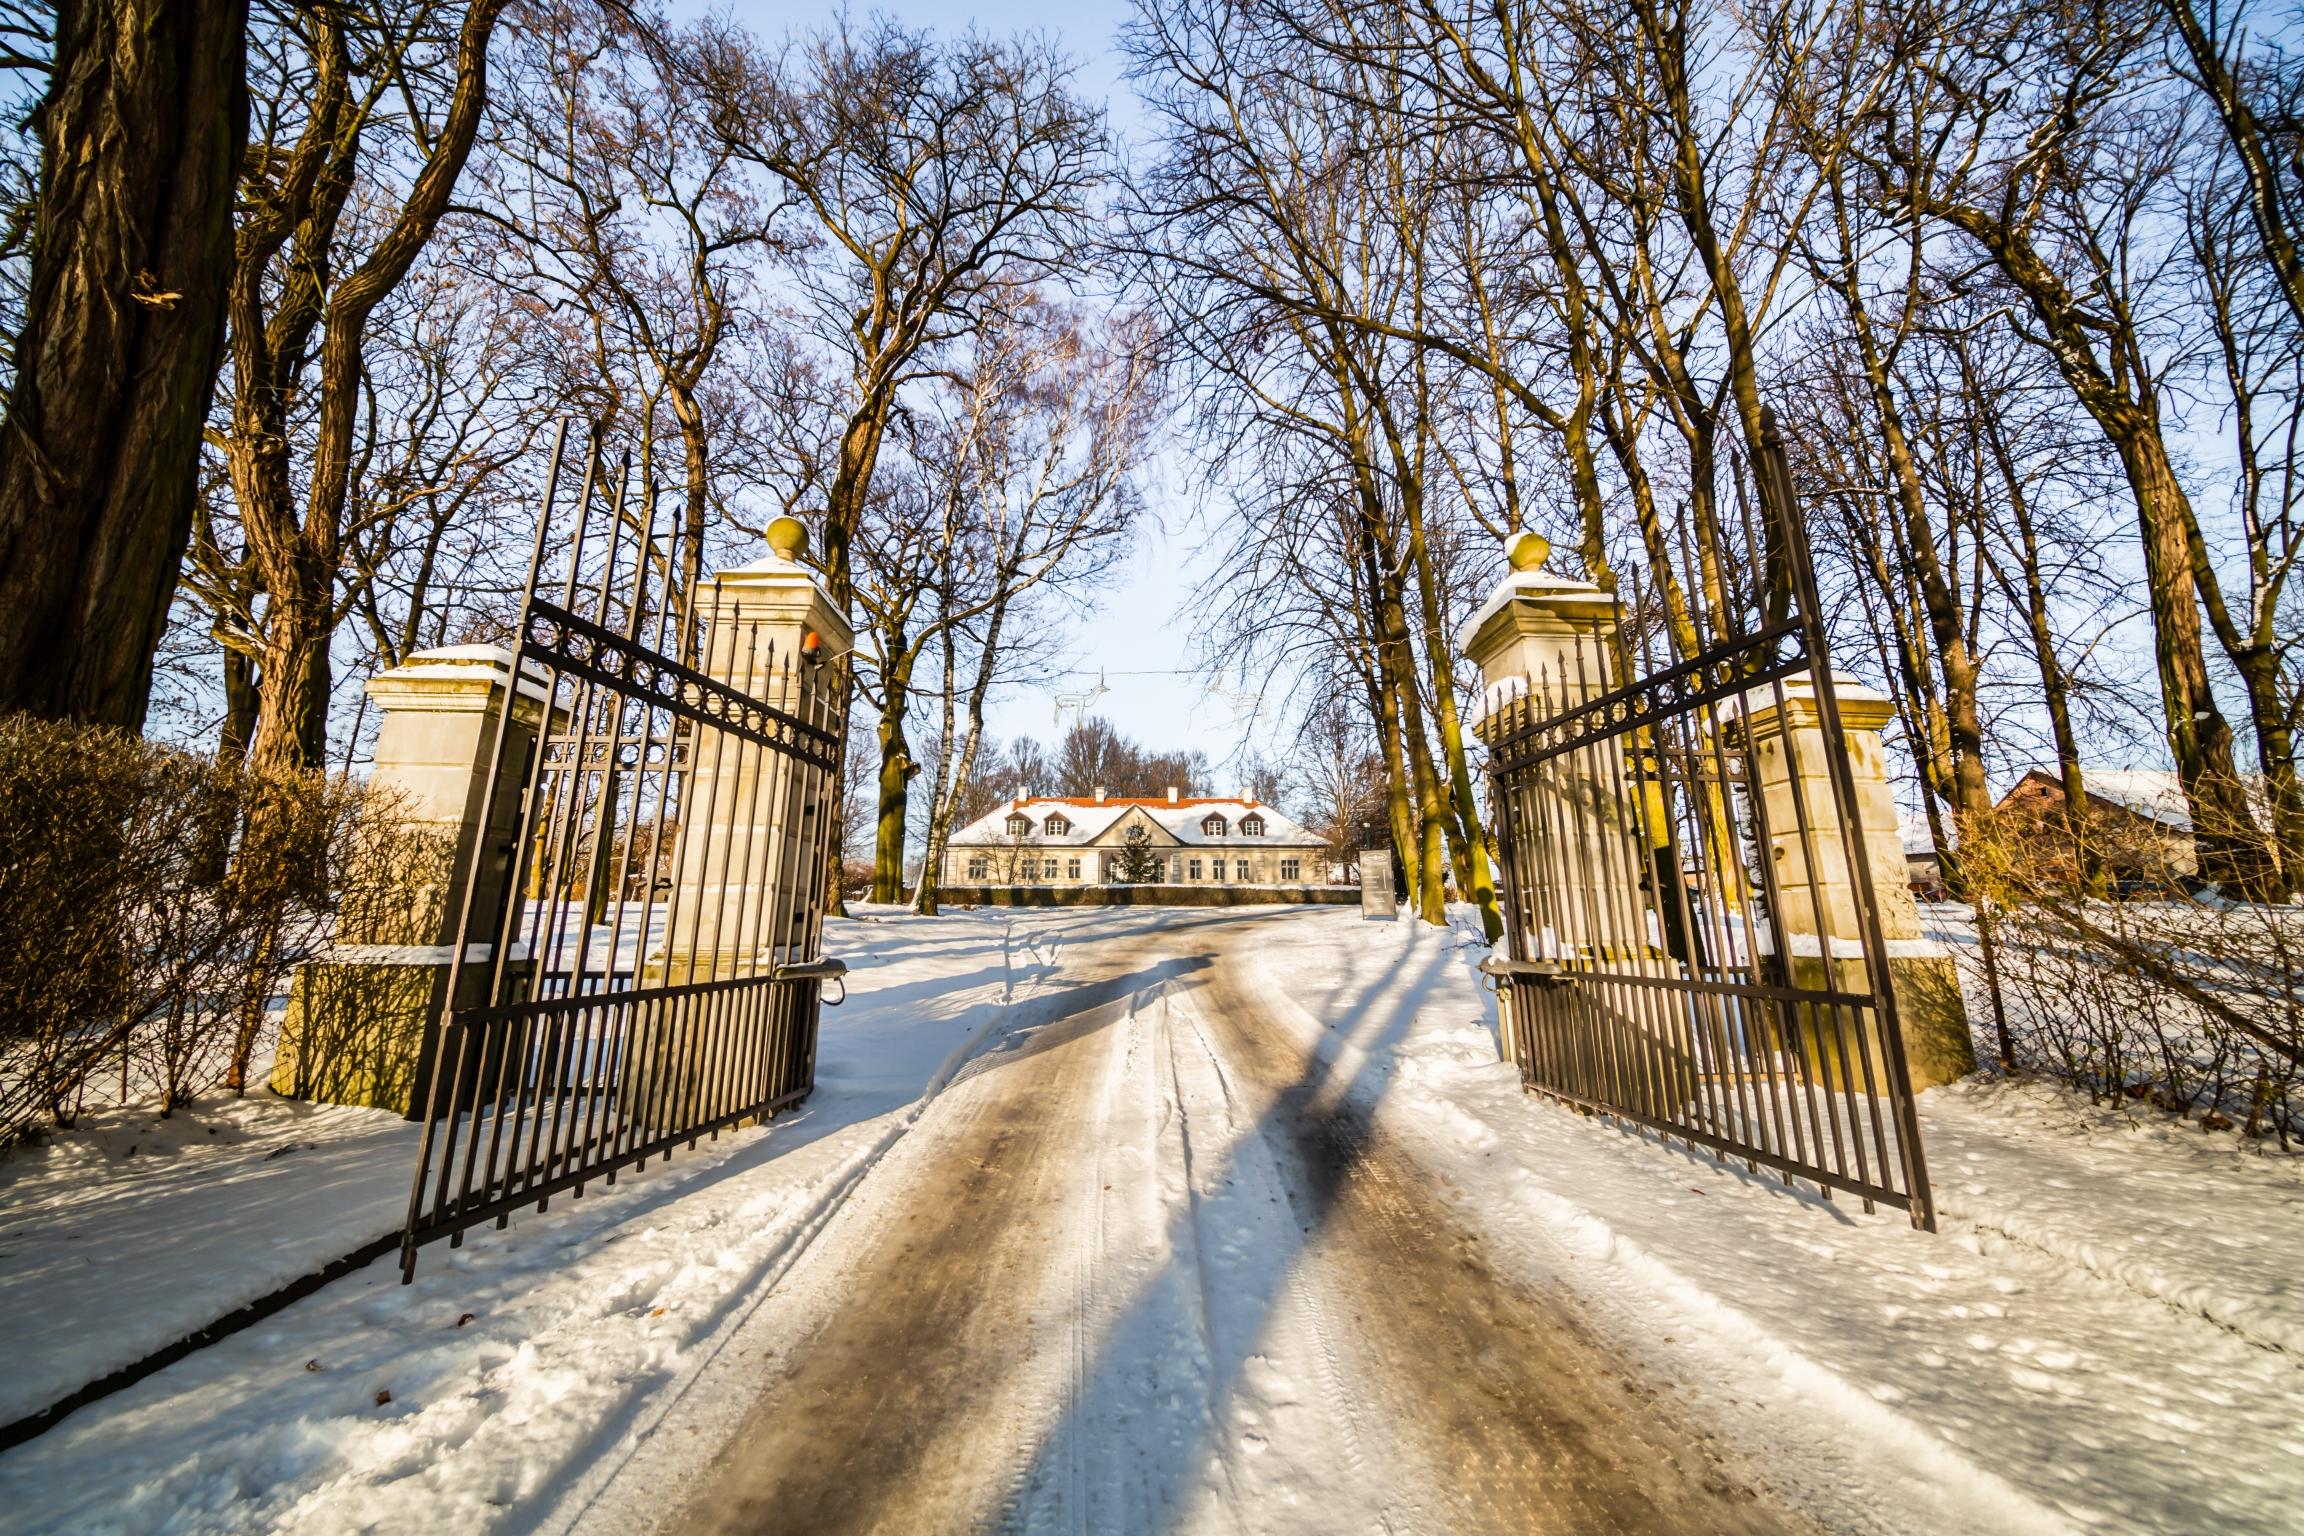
(823,969)
(1547,972)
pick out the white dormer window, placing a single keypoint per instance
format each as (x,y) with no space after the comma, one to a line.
(1019,825)
(1055,826)
(1212,827)
(1251,826)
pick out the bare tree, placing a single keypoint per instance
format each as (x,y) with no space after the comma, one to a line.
(328,231)
(938,175)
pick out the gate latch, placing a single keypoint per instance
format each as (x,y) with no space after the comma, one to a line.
(1544,972)
(824,968)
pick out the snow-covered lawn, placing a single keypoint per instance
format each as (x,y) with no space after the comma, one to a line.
(2103,1335)
(448,1402)
(2107,1334)
(123,1236)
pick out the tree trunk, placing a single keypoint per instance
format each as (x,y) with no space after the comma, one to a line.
(1956,666)
(141,136)
(2124,407)
(895,785)
(942,792)
(1480,878)
(292,684)
(2229,850)
(1383,706)
(239,706)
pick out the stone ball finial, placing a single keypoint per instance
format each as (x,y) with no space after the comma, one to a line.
(788,537)
(1526,549)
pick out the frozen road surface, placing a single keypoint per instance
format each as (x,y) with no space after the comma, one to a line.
(1147,1266)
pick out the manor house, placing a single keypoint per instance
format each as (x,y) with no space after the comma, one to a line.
(1085,840)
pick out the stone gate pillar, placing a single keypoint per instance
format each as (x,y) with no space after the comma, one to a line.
(1544,644)
(362,1021)
(1814,878)
(751,818)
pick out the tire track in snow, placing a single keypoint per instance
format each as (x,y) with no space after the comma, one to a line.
(1520,1416)
(937,1356)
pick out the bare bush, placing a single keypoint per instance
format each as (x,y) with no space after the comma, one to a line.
(2107,971)
(151,906)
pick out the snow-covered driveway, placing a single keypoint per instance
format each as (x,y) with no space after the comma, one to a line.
(1181,1221)
(1146,1267)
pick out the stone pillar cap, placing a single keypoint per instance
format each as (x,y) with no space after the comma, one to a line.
(453,669)
(775,572)
(1534,586)
(1862,705)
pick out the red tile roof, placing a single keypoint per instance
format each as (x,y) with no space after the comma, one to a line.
(1151,800)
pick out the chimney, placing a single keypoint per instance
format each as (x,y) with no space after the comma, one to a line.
(1099,794)
(1171,794)
(1023,793)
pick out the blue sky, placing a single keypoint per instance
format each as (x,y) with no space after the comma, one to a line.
(1132,639)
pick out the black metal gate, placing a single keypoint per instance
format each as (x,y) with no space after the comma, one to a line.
(1696,940)
(638,963)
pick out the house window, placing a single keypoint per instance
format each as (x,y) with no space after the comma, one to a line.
(1212,826)
(1019,826)
(1291,869)
(1071,869)
(1251,826)
(1047,869)
(1194,867)
(1056,826)
(979,869)
(1240,871)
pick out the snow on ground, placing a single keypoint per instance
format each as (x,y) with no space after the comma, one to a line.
(2099,1337)
(1130,1343)
(123,1235)
(2105,1335)
(442,1404)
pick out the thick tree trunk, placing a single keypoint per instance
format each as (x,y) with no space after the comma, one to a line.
(2124,407)
(299,562)
(141,137)
(293,680)
(2230,851)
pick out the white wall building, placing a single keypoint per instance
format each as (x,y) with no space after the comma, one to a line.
(1084,840)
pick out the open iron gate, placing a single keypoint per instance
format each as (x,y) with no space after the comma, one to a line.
(1665,838)
(638,964)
